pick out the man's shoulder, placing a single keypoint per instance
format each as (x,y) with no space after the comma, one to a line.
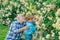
(14,22)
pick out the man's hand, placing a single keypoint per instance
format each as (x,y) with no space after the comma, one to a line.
(21,29)
(24,28)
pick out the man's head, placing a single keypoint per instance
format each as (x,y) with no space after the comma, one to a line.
(20,17)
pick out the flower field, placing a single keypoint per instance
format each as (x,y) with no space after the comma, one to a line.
(46,11)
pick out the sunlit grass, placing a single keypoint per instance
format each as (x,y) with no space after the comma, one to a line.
(3,31)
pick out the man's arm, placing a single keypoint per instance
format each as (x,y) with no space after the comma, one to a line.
(21,29)
(15,29)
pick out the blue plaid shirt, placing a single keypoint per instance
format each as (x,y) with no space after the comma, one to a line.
(13,33)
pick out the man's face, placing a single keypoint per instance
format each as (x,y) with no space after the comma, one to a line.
(21,17)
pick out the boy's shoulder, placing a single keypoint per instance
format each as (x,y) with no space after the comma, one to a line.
(30,22)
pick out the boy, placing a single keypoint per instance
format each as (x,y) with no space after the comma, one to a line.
(31,27)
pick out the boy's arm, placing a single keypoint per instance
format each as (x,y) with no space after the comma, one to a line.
(34,28)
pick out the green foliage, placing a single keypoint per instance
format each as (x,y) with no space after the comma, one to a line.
(9,9)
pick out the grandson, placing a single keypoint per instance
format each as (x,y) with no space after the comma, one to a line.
(31,27)
(16,28)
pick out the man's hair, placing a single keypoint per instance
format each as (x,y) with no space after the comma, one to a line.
(19,16)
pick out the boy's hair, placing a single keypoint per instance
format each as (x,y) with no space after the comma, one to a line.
(29,16)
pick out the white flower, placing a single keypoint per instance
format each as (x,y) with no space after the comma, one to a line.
(10,7)
(37,23)
(51,31)
(38,11)
(7,15)
(48,9)
(57,24)
(32,11)
(59,37)
(59,33)
(44,11)
(3,15)
(15,18)
(43,38)
(44,3)
(11,2)
(17,11)
(6,8)
(42,8)
(3,22)
(54,0)
(58,21)
(5,2)
(43,25)
(44,28)
(48,6)
(45,8)
(23,12)
(53,25)
(53,34)
(39,0)
(8,22)
(18,5)
(37,26)
(57,17)
(7,18)
(21,0)
(15,4)
(50,18)
(41,14)
(26,4)
(48,36)
(41,18)
(58,12)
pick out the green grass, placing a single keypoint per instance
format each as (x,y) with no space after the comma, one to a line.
(3,31)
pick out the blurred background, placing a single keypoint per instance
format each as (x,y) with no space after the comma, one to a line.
(46,11)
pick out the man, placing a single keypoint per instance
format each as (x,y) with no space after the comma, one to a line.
(16,28)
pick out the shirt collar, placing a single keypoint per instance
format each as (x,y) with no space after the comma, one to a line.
(19,22)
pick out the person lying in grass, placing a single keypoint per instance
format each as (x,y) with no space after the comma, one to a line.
(31,27)
(16,29)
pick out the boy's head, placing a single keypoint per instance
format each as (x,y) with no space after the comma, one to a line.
(20,17)
(29,16)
